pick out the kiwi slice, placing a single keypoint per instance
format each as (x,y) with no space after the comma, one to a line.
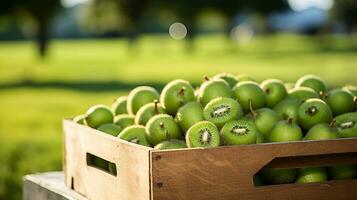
(340,101)
(249,91)
(302,93)
(322,131)
(119,106)
(237,132)
(346,125)
(80,119)
(229,78)
(98,115)
(139,97)
(124,120)
(188,115)
(135,134)
(203,134)
(162,127)
(147,111)
(312,112)
(213,88)
(275,91)
(312,175)
(221,110)
(312,81)
(111,129)
(175,94)
(171,144)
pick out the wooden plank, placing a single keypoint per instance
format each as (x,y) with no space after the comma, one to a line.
(132,161)
(227,172)
(48,186)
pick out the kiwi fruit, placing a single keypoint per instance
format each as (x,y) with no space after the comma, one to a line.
(342,172)
(285,131)
(124,120)
(238,132)
(80,119)
(322,131)
(274,176)
(312,81)
(275,91)
(340,101)
(260,138)
(229,78)
(135,134)
(111,129)
(351,88)
(312,175)
(171,144)
(221,110)
(249,90)
(175,94)
(346,125)
(213,88)
(288,108)
(288,86)
(162,127)
(188,115)
(139,97)
(119,106)
(302,93)
(245,77)
(147,111)
(98,115)
(312,112)
(264,119)
(203,134)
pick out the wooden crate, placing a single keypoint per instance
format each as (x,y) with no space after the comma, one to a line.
(215,173)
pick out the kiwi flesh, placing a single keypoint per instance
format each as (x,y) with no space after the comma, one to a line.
(171,144)
(221,110)
(238,132)
(203,134)
(188,115)
(162,127)
(124,120)
(135,134)
(147,111)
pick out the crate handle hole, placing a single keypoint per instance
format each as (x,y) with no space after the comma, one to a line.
(101,164)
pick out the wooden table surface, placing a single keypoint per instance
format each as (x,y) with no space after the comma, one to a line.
(48,186)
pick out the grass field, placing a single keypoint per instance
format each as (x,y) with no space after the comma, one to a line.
(36,94)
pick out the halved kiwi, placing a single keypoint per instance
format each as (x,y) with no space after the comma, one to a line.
(203,134)
(237,132)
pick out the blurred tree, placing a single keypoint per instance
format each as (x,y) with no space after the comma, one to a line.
(40,10)
(346,10)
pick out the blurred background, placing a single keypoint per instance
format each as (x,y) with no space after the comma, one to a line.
(59,57)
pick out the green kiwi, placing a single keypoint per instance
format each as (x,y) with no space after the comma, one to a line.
(302,93)
(188,115)
(342,172)
(245,77)
(119,106)
(111,129)
(171,144)
(312,112)
(175,94)
(135,134)
(351,88)
(238,132)
(221,110)
(278,176)
(275,91)
(290,85)
(347,125)
(249,90)
(340,101)
(285,131)
(312,175)
(80,119)
(288,108)
(98,115)
(322,131)
(260,138)
(139,97)
(162,127)
(229,78)
(147,111)
(203,134)
(212,89)
(312,81)
(124,120)
(264,120)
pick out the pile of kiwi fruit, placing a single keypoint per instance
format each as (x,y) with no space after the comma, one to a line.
(234,110)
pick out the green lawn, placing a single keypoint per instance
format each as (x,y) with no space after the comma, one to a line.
(36,94)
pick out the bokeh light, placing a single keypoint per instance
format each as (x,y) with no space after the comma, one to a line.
(242,33)
(300,5)
(178,31)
